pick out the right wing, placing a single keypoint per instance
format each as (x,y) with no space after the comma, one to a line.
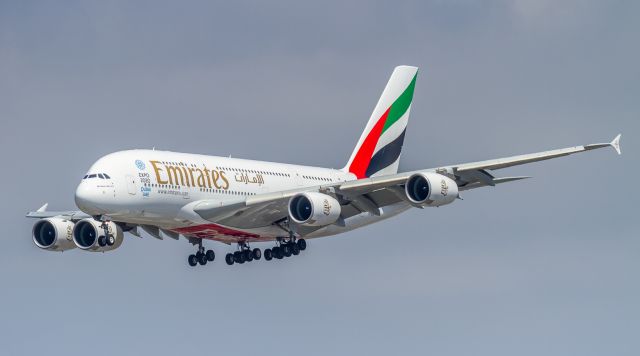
(369,194)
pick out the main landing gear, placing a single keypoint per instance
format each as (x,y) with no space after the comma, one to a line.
(285,248)
(244,254)
(201,257)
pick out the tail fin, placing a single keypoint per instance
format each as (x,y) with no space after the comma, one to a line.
(378,150)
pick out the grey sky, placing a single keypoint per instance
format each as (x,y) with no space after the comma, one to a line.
(547,266)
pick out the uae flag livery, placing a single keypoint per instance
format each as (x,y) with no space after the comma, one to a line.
(378,150)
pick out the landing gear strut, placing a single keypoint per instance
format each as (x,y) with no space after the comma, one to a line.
(201,257)
(244,254)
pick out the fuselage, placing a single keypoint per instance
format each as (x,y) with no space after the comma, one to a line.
(160,188)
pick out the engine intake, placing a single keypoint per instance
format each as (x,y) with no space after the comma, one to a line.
(53,234)
(431,189)
(89,234)
(314,209)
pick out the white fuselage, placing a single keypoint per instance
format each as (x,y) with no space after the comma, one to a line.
(160,188)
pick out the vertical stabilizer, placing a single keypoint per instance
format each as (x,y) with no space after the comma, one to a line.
(378,150)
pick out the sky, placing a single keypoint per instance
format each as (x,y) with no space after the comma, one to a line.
(544,266)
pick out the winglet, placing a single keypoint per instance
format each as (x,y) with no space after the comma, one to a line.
(43,208)
(616,144)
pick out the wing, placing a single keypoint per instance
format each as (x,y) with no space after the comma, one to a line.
(369,194)
(42,213)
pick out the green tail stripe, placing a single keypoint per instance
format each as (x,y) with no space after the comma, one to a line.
(400,106)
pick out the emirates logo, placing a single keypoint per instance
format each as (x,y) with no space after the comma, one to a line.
(326,207)
(444,188)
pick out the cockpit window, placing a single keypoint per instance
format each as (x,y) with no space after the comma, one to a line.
(97,175)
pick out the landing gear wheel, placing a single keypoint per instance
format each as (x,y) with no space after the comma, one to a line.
(257,254)
(286,250)
(295,250)
(268,255)
(210,255)
(246,254)
(111,240)
(277,252)
(102,241)
(193,261)
(229,259)
(202,259)
(237,257)
(302,244)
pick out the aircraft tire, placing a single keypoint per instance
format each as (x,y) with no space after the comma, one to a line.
(302,244)
(286,250)
(268,254)
(210,255)
(238,258)
(257,254)
(229,259)
(246,254)
(193,261)
(202,259)
(295,250)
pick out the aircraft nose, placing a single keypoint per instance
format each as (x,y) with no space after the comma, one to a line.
(85,198)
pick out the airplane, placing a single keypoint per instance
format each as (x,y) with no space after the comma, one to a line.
(242,202)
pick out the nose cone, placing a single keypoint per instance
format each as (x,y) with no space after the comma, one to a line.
(86,198)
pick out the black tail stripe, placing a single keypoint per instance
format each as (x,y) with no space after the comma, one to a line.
(386,156)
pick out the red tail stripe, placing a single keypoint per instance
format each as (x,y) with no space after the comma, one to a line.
(363,157)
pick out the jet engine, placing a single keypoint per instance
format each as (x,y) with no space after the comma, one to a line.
(96,236)
(431,189)
(314,209)
(54,234)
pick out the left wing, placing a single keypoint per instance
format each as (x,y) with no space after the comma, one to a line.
(369,194)
(42,213)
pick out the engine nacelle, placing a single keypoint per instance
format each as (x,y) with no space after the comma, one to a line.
(54,234)
(89,235)
(431,189)
(314,209)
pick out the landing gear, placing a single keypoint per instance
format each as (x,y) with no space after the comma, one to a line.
(244,254)
(201,257)
(285,248)
(108,239)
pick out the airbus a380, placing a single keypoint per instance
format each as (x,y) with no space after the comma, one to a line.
(242,202)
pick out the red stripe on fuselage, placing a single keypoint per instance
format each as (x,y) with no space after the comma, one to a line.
(208,231)
(363,157)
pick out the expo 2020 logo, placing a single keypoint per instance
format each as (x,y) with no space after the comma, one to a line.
(140,164)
